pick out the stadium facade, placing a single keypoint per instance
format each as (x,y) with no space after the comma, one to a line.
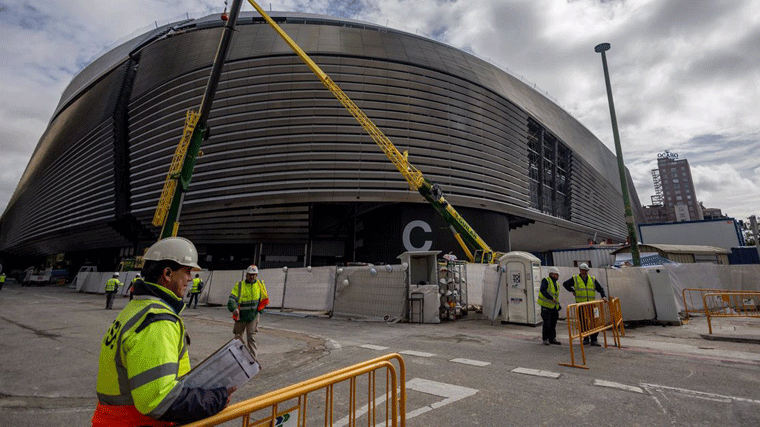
(287,176)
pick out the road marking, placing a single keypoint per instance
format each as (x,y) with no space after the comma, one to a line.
(536,372)
(373,347)
(610,384)
(451,393)
(698,394)
(417,353)
(470,362)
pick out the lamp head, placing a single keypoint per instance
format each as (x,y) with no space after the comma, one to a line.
(602,47)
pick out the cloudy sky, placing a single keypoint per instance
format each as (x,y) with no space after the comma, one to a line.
(685,73)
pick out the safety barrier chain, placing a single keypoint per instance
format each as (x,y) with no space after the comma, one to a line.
(730,304)
(689,307)
(588,318)
(275,408)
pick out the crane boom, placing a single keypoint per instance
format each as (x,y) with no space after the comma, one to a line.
(463,232)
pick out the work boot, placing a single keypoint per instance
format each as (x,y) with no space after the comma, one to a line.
(595,344)
(546,342)
(555,342)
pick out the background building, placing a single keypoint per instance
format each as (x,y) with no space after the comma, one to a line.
(675,198)
(288,177)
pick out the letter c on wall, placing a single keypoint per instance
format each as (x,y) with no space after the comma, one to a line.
(408,232)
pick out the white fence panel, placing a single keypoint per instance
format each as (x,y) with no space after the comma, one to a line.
(746,277)
(81,279)
(274,279)
(491,297)
(220,285)
(377,292)
(475,274)
(309,290)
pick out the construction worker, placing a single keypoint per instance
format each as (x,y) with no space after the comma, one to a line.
(195,291)
(247,300)
(112,286)
(548,299)
(584,287)
(2,280)
(144,354)
(131,288)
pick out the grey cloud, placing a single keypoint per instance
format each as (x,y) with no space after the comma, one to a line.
(681,18)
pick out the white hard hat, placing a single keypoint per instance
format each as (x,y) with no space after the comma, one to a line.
(177,249)
(583,266)
(139,275)
(252,269)
(554,270)
(116,274)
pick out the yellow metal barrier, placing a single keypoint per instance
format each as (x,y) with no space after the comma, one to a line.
(617,316)
(587,318)
(275,408)
(690,292)
(730,304)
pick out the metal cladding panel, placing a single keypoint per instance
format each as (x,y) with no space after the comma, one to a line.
(278,136)
(69,182)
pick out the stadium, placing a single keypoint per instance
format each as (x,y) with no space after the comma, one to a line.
(287,176)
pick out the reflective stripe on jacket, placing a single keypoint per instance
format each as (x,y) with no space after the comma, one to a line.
(584,291)
(554,291)
(250,298)
(196,285)
(142,356)
(112,284)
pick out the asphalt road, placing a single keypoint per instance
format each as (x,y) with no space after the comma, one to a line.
(465,373)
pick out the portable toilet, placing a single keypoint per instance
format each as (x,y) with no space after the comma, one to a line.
(521,278)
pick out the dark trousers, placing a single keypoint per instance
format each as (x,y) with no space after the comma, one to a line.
(549,329)
(193,295)
(586,317)
(109,299)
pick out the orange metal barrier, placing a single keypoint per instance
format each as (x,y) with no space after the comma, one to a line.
(291,405)
(730,304)
(587,318)
(690,292)
(617,316)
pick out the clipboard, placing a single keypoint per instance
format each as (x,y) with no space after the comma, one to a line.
(231,366)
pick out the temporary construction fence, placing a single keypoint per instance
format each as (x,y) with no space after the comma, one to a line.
(382,294)
(730,304)
(344,396)
(588,318)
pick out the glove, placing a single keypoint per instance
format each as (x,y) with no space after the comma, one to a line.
(236,315)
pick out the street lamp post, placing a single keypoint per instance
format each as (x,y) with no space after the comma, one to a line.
(602,48)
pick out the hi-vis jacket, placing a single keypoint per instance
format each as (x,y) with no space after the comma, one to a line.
(584,290)
(112,285)
(552,290)
(197,285)
(143,357)
(250,298)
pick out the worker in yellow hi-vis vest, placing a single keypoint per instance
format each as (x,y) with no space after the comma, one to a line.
(585,287)
(195,291)
(144,355)
(247,300)
(548,299)
(112,286)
